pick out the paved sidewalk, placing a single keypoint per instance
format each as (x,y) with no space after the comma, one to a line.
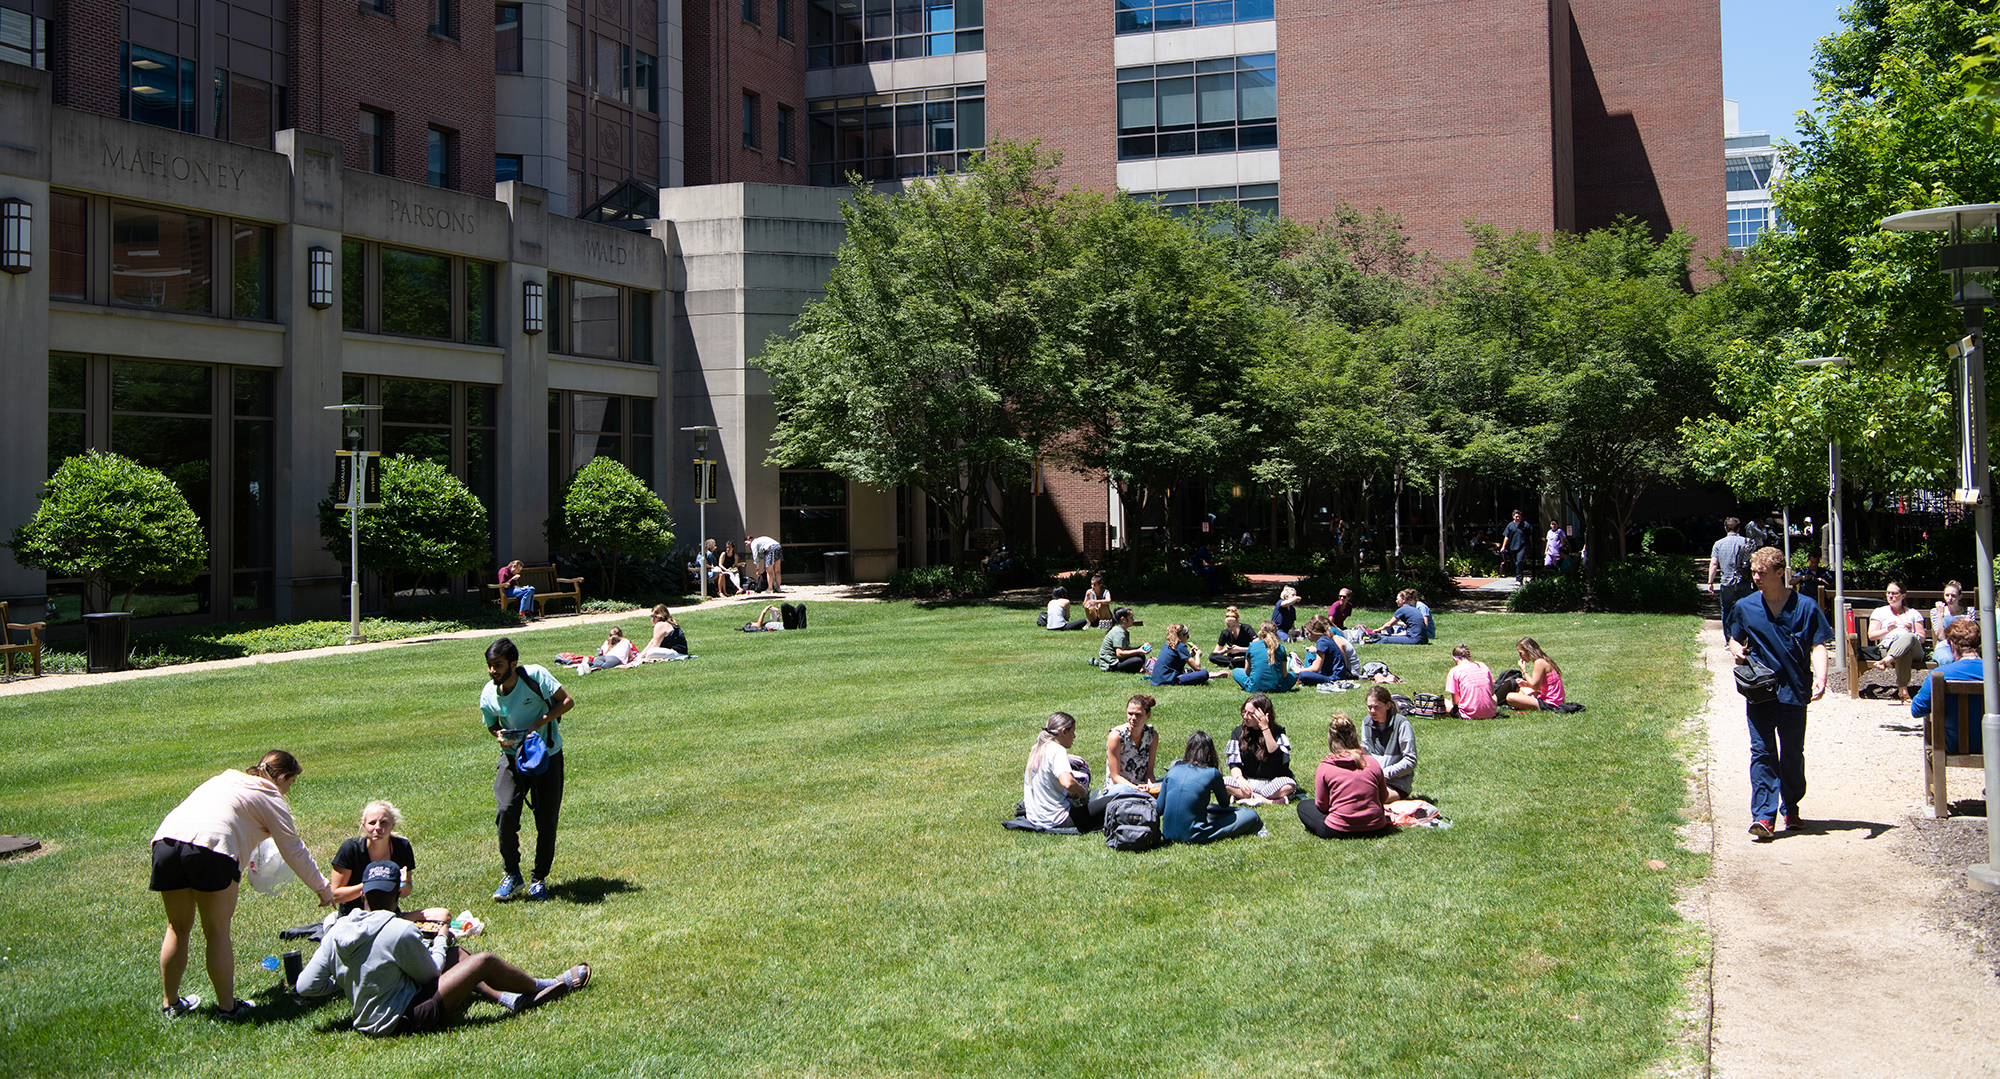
(1824,964)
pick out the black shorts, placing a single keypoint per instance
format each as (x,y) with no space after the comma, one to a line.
(178,865)
(425,1012)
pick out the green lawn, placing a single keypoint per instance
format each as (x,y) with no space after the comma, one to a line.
(784,858)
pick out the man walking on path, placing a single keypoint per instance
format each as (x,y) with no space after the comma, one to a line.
(1789,634)
(1728,562)
(519,700)
(1514,547)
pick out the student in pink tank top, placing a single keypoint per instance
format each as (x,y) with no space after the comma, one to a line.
(1541,680)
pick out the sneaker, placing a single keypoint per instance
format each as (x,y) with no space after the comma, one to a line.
(180,1007)
(242,1012)
(509,884)
(1793,822)
(1761,829)
(539,890)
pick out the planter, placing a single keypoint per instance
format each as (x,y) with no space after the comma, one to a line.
(107,641)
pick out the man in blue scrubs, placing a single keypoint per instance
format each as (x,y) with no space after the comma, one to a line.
(1789,634)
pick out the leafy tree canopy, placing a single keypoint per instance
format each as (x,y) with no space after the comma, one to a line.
(110,520)
(429,523)
(608,511)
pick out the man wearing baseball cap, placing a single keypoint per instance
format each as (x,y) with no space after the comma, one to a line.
(380,962)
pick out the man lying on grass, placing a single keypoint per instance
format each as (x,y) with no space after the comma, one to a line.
(394,981)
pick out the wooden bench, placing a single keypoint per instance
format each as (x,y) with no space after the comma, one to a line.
(8,646)
(1864,601)
(547,586)
(1969,697)
(1859,668)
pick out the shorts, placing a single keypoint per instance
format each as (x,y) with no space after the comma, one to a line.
(773,555)
(178,865)
(1266,788)
(425,1012)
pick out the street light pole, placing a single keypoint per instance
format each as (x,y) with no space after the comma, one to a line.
(356,475)
(1833,503)
(704,493)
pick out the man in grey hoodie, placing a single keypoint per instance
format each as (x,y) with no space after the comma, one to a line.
(380,962)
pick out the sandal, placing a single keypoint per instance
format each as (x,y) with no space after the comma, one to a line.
(567,982)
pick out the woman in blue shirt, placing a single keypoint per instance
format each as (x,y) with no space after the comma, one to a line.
(1268,660)
(1186,794)
(1179,663)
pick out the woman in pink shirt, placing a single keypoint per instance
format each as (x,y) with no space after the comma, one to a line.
(1348,790)
(1468,689)
(1541,685)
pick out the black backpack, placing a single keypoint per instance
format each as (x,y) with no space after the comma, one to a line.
(1132,822)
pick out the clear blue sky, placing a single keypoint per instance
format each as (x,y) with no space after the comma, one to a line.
(1767,48)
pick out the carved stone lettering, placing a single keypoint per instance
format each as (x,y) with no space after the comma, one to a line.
(419,216)
(154,163)
(615,254)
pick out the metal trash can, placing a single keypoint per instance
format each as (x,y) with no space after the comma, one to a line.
(107,641)
(839,567)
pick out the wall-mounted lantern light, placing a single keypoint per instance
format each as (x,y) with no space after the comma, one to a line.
(534,307)
(16,235)
(319,278)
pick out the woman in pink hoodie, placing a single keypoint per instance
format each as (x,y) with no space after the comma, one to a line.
(1348,790)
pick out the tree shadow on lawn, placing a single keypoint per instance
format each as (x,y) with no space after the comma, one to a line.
(590,891)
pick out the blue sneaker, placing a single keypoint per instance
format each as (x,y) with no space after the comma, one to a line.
(509,884)
(539,890)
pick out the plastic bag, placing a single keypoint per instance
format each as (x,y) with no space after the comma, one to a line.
(268,873)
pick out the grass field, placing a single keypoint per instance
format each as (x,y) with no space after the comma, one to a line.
(784,858)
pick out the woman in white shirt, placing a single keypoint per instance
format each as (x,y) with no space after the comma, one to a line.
(1052,794)
(1899,632)
(1058,616)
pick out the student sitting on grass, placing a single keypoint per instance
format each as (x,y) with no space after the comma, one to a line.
(378,842)
(790,616)
(1194,803)
(668,642)
(1541,684)
(1349,790)
(1052,795)
(1389,738)
(1180,662)
(1058,614)
(1333,657)
(1285,612)
(1468,688)
(1097,603)
(1259,755)
(1232,642)
(396,983)
(1116,653)
(1411,623)
(1265,672)
(1132,748)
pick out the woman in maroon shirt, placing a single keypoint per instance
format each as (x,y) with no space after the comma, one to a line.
(1348,790)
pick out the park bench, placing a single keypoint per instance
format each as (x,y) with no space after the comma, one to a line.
(547,586)
(8,645)
(1968,697)
(1863,602)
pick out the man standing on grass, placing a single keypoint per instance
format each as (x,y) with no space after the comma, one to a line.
(765,552)
(1789,634)
(519,700)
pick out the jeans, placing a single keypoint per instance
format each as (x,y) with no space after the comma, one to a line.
(1777,758)
(1227,824)
(1513,558)
(527,597)
(1726,596)
(510,790)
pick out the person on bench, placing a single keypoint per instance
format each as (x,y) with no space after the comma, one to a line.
(510,573)
(1963,636)
(1898,631)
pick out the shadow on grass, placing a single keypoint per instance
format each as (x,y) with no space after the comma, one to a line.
(590,891)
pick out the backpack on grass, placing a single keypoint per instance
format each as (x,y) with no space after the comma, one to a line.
(1132,822)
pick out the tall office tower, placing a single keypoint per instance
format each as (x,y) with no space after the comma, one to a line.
(1750,167)
(745,66)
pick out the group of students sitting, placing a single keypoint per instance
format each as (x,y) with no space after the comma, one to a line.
(1365,769)
(667,643)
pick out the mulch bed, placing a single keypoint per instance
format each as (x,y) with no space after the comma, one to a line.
(1945,848)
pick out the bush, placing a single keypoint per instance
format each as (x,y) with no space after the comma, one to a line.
(1665,540)
(111,520)
(1378,588)
(1662,584)
(429,523)
(1543,595)
(941,583)
(608,511)
(1473,564)
(641,581)
(1278,560)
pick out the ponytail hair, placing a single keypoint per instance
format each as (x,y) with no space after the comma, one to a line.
(1341,738)
(274,765)
(1274,646)
(1058,723)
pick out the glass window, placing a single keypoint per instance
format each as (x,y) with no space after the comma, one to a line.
(506,37)
(254,551)
(785,19)
(1232,102)
(416,293)
(577,58)
(444,18)
(785,132)
(751,137)
(353,286)
(593,319)
(648,97)
(750,11)
(812,517)
(250,258)
(157,89)
(416,419)
(607,65)
(892,136)
(374,141)
(438,152)
(1256,198)
(641,318)
(479,319)
(160,259)
(864,31)
(1145,16)
(506,168)
(24,39)
(66,409)
(69,262)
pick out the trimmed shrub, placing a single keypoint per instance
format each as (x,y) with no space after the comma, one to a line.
(429,523)
(609,512)
(1378,588)
(1662,584)
(941,583)
(112,521)
(1543,595)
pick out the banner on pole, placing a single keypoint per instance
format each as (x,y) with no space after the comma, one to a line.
(371,478)
(1968,413)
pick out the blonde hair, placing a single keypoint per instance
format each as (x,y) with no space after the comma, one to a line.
(1767,559)
(395,815)
(1342,740)
(1274,646)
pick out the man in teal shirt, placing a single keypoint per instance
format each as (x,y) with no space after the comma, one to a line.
(517,701)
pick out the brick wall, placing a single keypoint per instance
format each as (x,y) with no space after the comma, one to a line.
(344,58)
(1050,71)
(723,56)
(85,61)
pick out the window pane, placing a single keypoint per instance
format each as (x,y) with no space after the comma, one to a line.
(506,37)
(353,291)
(1176,103)
(607,66)
(649,82)
(427,443)
(482,467)
(65,438)
(68,233)
(160,259)
(1214,13)
(175,446)
(597,412)
(1257,91)
(351,389)
(1254,10)
(253,392)
(971,123)
(1218,98)
(65,382)
(1177,17)
(251,252)
(416,293)
(479,321)
(1135,106)
(641,350)
(811,489)
(593,319)
(139,386)
(406,401)
(971,13)
(253,496)
(576,56)
(642,415)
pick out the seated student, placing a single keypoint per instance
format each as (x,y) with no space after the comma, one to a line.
(1285,612)
(1116,653)
(1052,793)
(723,572)
(1265,671)
(1097,603)
(1333,658)
(380,962)
(1945,611)
(1232,642)
(1179,663)
(1341,610)
(1468,687)
(1132,748)
(1259,755)
(378,842)
(1964,639)
(1388,736)
(1186,812)
(1411,624)
(1058,616)
(668,642)
(1541,685)
(1349,790)
(1898,632)
(790,616)
(616,651)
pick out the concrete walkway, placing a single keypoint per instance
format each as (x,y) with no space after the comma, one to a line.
(1825,963)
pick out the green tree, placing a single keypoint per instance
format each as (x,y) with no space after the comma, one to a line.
(111,521)
(429,523)
(610,512)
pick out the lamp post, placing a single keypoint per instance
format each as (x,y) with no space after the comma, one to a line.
(356,480)
(1833,515)
(704,493)
(1971,255)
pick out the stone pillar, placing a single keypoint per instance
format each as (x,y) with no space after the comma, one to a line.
(309,580)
